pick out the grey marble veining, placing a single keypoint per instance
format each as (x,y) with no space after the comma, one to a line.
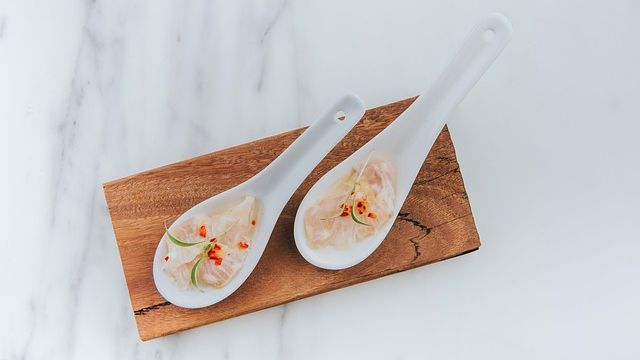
(91,91)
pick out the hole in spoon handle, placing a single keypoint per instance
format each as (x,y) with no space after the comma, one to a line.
(478,51)
(423,120)
(284,175)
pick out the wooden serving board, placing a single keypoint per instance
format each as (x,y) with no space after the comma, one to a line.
(434,224)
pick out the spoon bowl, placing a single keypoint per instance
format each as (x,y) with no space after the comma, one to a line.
(407,141)
(272,188)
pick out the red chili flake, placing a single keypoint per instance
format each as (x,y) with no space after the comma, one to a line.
(166,258)
(345,211)
(218,261)
(359,203)
(212,240)
(253,222)
(372,215)
(216,247)
(202,231)
(243,245)
(213,255)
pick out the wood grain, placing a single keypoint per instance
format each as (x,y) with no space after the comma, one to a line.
(434,224)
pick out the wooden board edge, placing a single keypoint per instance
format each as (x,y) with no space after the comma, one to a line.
(338,285)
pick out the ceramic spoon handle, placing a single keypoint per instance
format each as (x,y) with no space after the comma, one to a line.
(283,176)
(424,119)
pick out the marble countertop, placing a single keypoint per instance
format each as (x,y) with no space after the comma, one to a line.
(91,91)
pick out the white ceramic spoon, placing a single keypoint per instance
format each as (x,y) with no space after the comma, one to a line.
(407,141)
(272,188)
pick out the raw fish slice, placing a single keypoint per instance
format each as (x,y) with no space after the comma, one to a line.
(377,184)
(234,226)
(220,275)
(322,232)
(181,274)
(180,258)
(381,180)
(228,229)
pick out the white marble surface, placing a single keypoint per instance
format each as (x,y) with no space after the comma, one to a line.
(94,90)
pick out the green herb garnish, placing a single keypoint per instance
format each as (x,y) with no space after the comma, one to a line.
(194,272)
(349,195)
(205,250)
(353,214)
(178,242)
